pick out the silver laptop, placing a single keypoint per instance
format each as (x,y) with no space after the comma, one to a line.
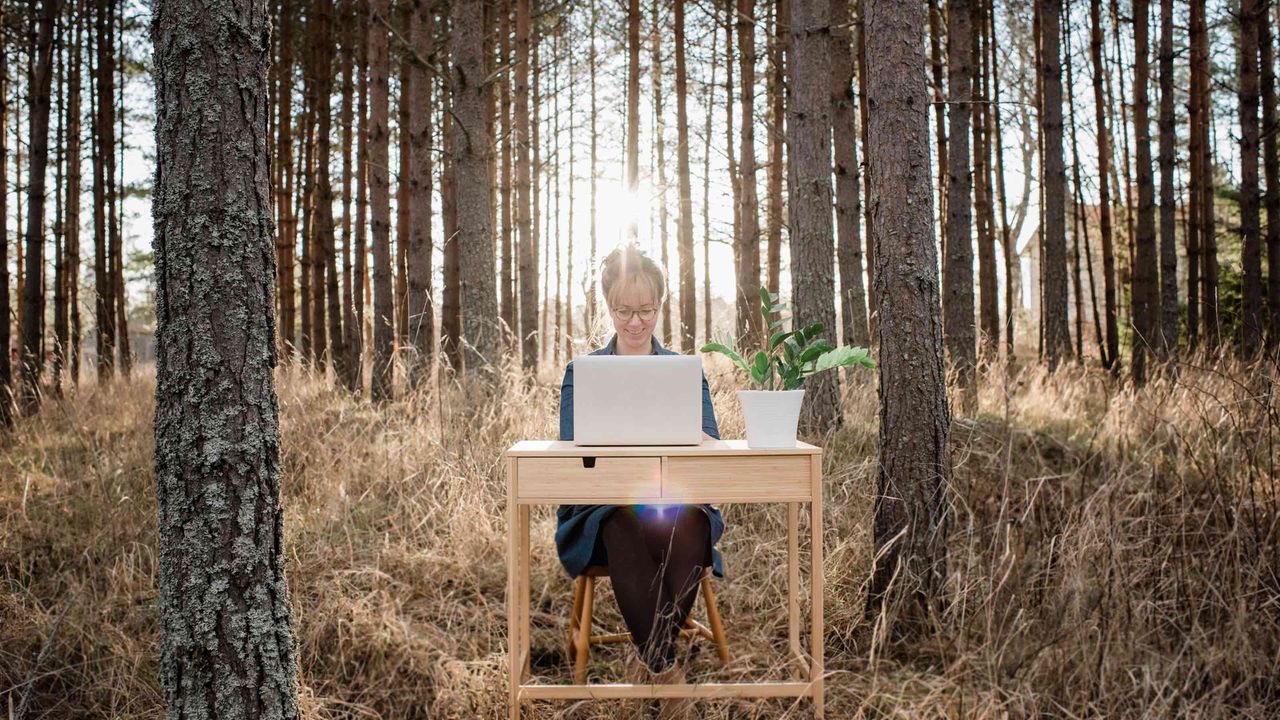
(637,400)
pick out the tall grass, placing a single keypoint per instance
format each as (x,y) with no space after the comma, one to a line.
(1112,554)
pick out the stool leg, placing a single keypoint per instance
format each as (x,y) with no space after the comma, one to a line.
(584,632)
(713,618)
(579,584)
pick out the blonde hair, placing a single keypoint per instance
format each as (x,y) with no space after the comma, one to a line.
(628,264)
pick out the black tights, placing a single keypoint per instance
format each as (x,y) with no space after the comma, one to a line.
(657,555)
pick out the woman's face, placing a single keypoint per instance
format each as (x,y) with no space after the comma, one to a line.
(635,333)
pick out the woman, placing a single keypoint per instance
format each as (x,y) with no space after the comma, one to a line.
(656,554)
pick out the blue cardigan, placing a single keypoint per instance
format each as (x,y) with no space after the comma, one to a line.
(578,526)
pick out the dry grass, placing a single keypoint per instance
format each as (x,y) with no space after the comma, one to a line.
(1112,555)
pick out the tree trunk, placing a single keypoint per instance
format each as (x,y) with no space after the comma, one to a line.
(33,291)
(939,105)
(1196,154)
(1208,233)
(380,201)
(404,170)
(812,254)
(706,191)
(747,241)
(349,362)
(74,176)
(735,181)
(421,328)
(633,109)
(359,334)
(957,264)
(60,329)
(1271,171)
(592,311)
(1104,194)
(860,58)
(6,368)
(451,275)
(104,149)
(853,296)
(915,467)
(471,147)
(1250,245)
(287,230)
(1057,338)
(569,242)
(117,210)
(988,305)
(684,238)
(507,295)
(777,137)
(1146,297)
(1167,339)
(337,345)
(528,268)
(1081,228)
(307,183)
(221,547)
(1008,240)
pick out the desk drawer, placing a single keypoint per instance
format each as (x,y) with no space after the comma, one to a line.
(738,478)
(569,479)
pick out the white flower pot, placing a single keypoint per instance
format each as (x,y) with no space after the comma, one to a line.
(771,416)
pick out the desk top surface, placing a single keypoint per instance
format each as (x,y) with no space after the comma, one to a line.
(565,448)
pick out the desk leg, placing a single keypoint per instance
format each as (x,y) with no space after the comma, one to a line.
(816,639)
(793,587)
(513,585)
(525,629)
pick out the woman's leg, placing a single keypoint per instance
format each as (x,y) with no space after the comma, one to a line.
(681,539)
(636,576)
(656,558)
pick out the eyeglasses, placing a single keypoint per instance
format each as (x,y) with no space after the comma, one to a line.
(625,313)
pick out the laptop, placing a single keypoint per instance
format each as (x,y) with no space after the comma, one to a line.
(637,400)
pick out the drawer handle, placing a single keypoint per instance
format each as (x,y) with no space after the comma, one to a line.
(588,462)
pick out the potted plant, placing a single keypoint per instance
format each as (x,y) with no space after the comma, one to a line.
(772,408)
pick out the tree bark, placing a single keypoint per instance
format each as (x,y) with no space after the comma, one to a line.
(287,230)
(592,310)
(853,295)
(812,254)
(380,201)
(936,64)
(1057,337)
(1271,172)
(471,147)
(6,368)
(1104,193)
(349,362)
(684,238)
(777,137)
(1167,340)
(216,428)
(706,189)
(988,305)
(507,295)
(1250,245)
(74,177)
(359,335)
(957,264)
(633,110)
(421,328)
(33,291)
(451,273)
(1208,242)
(1008,240)
(60,329)
(103,170)
(915,467)
(528,280)
(1196,160)
(1146,297)
(747,241)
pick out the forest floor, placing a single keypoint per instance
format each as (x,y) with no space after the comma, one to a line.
(1112,554)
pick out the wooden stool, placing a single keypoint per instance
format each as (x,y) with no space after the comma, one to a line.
(580,639)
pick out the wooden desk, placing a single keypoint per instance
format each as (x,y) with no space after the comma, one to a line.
(545,472)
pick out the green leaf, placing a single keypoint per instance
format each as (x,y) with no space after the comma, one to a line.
(840,357)
(813,351)
(777,338)
(727,352)
(765,299)
(761,373)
